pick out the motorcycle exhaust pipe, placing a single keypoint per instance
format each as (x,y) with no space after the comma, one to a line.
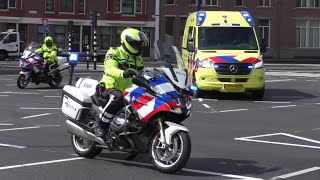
(82,132)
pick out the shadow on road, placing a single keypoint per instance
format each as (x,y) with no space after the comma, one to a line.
(270,95)
(214,165)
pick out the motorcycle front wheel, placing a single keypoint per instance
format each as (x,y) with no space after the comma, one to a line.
(175,156)
(22,82)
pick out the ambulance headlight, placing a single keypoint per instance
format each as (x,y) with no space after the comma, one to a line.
(206,64)
(258,65)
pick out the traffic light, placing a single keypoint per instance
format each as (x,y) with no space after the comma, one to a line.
(93,17)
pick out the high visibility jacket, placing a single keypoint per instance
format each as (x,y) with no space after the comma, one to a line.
(116,61)
(50,54)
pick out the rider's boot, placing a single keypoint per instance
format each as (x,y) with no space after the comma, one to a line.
(101,126)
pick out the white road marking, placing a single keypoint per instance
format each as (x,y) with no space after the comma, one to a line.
(275,102)
(297,173)
(40,163)
(52,96)
(312,80)
(49,151)
(206,105)
(37,115)
(23,128)
(6,79)
(280,80)
(4,95)
(251,139)
(26,108)
(3,124)
(184,169)
(200,99)
(14,146)
(11,84)
(297,97)
(316,129)
(44,90)
(233,110)
(294,74)
(17,93)
(81,73)
(284,106)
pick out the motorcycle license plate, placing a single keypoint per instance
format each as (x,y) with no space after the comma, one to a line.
(233,87)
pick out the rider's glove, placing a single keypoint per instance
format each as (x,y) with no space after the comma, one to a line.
(128,73)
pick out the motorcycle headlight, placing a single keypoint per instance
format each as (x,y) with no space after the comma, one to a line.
(258,65)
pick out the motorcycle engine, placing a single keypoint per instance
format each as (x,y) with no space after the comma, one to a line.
(119,124)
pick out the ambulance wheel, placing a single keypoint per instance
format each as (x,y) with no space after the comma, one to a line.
(258,95)
(3,55)
(200,93)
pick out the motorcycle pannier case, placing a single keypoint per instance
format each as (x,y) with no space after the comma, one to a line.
(76,103)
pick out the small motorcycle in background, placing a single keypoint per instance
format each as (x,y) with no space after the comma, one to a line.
(31,64)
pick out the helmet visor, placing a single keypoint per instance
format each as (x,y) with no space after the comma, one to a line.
(137,42)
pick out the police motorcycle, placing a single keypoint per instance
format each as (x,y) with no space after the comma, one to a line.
(31,63)
(150,123)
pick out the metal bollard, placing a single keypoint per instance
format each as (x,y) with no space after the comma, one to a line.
(95,48)
(88,55)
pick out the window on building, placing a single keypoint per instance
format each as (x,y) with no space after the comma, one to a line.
(66,6)
(301,3)
(4,4)
(239,2)
(49,5)
(138,6)
(105,37)
(182,25)
(12,26)
(23,30)
(118,34)
(82,5)
(129,7)
(314,33)
(265,3)
(211,2)
(169,29)
(60,36)
(170,2)
(194,2)
(301,33)
(12,3)
(264,31)
(108,6)
(314,3)
(40,34)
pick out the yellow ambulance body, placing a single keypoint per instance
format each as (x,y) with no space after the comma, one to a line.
(222,53)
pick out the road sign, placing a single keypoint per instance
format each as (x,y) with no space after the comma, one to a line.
(45,25)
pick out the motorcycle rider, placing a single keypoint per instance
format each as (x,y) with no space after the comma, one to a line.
(120,64)
(48,52)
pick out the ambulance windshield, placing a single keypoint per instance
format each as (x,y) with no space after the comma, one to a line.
(227,38)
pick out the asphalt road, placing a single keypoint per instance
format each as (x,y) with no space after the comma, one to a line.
(232,136)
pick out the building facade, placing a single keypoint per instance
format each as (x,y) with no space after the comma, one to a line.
(291,28)
(26,16)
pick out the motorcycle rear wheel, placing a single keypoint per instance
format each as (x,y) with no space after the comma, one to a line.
(55,82)
(173,158)
(84,148)
(22,82)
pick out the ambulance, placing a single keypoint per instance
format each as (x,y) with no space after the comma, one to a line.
(222,53)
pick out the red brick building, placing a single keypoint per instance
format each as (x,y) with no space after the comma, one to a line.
(113,16)
(290,27)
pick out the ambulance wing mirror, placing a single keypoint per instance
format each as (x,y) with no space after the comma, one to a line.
(263,46)
(190,45)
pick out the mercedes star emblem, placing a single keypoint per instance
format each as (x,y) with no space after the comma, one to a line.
(233,68)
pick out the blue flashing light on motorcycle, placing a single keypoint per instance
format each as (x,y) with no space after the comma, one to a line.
(73,57)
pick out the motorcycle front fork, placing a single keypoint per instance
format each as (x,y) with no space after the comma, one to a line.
(162,134)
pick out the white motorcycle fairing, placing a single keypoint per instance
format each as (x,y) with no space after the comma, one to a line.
(172,129)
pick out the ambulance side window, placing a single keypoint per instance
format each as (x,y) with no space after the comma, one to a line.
(190,34)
